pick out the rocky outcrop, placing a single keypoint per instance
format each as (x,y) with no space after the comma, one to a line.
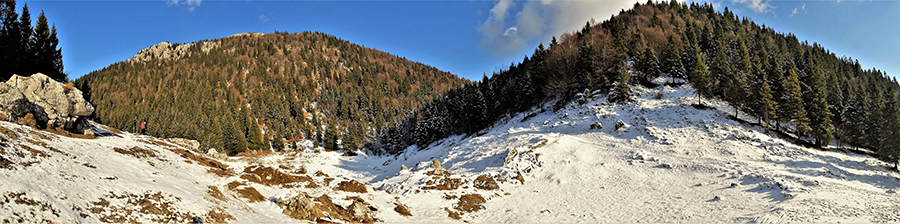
(166,50)
(52,104)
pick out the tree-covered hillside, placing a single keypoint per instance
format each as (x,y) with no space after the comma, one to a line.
(789,85)
(253,90)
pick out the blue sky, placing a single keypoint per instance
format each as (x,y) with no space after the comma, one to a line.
(465,37)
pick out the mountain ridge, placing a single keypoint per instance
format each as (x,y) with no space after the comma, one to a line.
(292,85)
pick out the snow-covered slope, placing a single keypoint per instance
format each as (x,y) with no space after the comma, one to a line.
(670,162)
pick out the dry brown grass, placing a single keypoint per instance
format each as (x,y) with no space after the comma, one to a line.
(136,152)
(68,87)
(28,120)
(485,183)
(215,193)
(10,134)
(160,206)
(221,172)
(255,153)
(444,184)
(311,185)
(63,132)
(270,176)
(402,209)
(351,186)
(218,216)
(452,214)
(245,191)
(470,203)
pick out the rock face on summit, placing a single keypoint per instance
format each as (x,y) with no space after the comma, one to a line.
(53,104)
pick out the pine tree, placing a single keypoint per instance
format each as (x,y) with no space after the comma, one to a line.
(819,114)
(26,54)
(672,61)
(649,65)
(700,77)
(585,70)
(622,92)
(793,105)
(12,43)
(763,105)
(254,136)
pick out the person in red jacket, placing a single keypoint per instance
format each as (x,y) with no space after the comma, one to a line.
(143,127)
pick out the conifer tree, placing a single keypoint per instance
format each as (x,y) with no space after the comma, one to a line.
(26,54)
(700,77)
(622,92)
(793,105)
(12,45)
(649,65)
(762,103)
(254,136)
(819,114)
(672,61)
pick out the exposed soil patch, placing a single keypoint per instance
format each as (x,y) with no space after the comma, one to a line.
(270,176)
(351,186)
(136,152)
(470,203)
(444,184)
(319,173)
(402,209)
(245,191)
(485,183)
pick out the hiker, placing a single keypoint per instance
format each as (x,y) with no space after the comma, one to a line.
(143,127)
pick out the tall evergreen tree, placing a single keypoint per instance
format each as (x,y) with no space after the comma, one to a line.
(793,105)
(648,65)
(762,104)
(672,61)
(700,77)
(819,114)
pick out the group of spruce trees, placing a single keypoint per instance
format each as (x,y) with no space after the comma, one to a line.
(787,84)
(25,50)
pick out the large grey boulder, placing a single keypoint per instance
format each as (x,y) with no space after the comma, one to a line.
(52,103)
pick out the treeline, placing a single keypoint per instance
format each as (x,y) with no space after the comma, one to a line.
(785,83)
(25,50)
(259,91)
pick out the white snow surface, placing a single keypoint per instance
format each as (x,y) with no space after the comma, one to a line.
(673,163)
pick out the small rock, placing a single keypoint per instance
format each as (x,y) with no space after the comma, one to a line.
(403,167)
(621,126)
(596,125)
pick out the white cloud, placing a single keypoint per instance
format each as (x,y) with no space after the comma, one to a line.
(794,12)
(537,20)
(189,4)
(263,18)
(758,6)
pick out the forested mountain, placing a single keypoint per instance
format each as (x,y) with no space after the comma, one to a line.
(250,90)
(790,85)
